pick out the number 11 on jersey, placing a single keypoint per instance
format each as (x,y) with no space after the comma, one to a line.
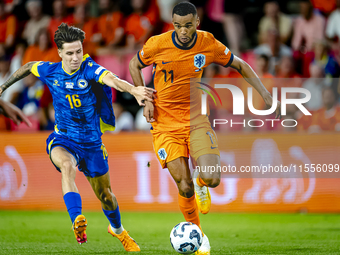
(171,73)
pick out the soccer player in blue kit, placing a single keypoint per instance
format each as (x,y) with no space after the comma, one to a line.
(81,91)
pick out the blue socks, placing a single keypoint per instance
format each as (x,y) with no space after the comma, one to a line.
(73,204)
(113,217)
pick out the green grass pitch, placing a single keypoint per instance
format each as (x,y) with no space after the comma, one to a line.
(32,232)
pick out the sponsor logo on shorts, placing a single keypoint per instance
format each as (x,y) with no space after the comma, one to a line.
(162,154)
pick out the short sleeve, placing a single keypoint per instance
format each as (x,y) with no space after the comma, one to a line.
(147,54)
(222,55)
(40,69)
(94,71)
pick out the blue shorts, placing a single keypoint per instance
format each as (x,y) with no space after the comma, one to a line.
(91,158)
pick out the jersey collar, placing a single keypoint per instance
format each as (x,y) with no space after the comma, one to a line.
(181,47)
(84,57)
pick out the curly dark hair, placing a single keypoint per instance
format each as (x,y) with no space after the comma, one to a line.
(184,8)
(68,34)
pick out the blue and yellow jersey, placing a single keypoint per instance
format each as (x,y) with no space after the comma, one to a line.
(82,103)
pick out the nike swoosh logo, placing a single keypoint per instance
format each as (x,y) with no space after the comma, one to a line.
(164,63)
(192,212)
(213,147)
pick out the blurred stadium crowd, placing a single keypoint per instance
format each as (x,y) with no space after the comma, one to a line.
(288,43)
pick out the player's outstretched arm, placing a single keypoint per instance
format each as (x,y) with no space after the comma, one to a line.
(135,68)
(19,74)
(141,94)
(251,77)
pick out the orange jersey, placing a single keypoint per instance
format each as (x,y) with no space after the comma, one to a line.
(73,3)
(8,26)
(55,23)
(327,120)
(107,25)
(33,53)
(90,28)
(304,121)
(174,66)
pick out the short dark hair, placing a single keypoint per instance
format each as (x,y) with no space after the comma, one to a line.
(184,8)
(68,34)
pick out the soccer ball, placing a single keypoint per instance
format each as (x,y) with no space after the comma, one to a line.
(186,237)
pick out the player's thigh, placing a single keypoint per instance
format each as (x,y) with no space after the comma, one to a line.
(179,169)
(203,141)
(63,153)
(59,156)
(180,172)
(170,146)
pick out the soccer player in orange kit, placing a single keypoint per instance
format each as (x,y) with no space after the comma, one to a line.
(178,56)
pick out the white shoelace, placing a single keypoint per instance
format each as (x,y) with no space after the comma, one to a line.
(202,193)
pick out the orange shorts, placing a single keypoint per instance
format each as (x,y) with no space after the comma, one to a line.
(199,140)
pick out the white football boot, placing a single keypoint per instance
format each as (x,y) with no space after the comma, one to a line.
(205,247)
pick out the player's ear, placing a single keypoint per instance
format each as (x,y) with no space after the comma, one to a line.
(59,53)
(197,21)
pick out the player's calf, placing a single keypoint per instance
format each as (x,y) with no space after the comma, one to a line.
(108,199)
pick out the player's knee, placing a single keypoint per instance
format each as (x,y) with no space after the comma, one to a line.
(107,197)
(214,182)
(187,187)
(68,168)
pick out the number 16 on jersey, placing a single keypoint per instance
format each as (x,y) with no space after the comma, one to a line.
(73,100)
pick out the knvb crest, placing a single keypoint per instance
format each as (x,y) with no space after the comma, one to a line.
(199,61)
(162,154)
